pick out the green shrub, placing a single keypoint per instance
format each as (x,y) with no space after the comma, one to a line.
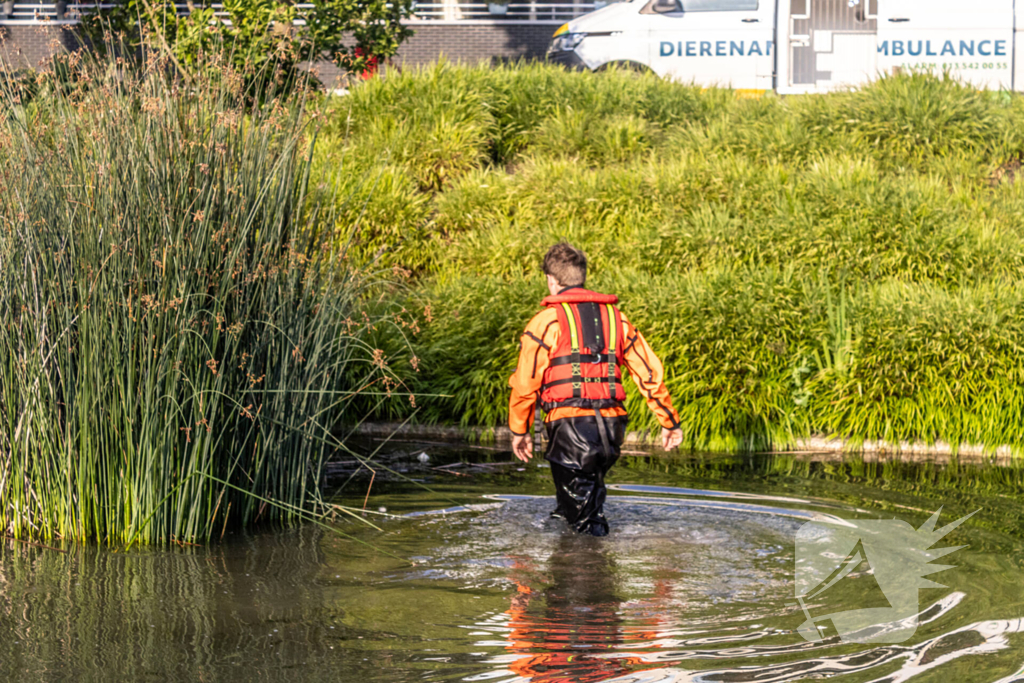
(263,41)
(916,115)
(434,122)
(468,345)
(594,139)
(379,217)
(522,97)
(928,363)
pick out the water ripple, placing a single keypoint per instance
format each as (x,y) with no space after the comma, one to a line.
(692,586)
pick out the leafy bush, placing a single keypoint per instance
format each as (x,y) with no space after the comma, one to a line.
(264,40)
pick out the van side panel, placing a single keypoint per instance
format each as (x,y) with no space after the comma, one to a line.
(826,44)
(732,48)
(971,40)
(838,47)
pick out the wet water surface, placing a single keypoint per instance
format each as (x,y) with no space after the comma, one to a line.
(472,581)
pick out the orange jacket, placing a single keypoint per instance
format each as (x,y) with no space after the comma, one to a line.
(542,334)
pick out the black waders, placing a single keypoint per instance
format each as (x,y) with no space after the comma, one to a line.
(581,450)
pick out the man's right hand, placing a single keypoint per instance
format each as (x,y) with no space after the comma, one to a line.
(522,447)
(671,438)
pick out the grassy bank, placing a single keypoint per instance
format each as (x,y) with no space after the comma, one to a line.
(177,339)
(849,264)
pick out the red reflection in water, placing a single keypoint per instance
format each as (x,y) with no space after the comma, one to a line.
(569,630)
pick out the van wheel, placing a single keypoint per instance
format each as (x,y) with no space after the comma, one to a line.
(633,67)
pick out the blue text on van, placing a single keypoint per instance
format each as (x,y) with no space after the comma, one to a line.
(914,48)
(717,48)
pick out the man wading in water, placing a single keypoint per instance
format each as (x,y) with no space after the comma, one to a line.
(569,358)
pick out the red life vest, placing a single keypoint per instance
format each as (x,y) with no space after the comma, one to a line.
(584,370)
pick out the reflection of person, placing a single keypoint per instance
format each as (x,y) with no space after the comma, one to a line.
(569,359)
(574,635)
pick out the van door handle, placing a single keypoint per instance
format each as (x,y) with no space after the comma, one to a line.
(899,20)
(750,21)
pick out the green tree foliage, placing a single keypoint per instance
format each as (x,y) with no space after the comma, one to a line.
(257,36)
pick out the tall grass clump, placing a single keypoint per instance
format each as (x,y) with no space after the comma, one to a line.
(500,107)
(916,115)
(927,363)
(177,341)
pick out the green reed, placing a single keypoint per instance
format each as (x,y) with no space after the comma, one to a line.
(178,342)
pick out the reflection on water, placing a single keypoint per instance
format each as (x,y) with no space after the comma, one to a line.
(642,607)
(243,610)
(567,631)
(693,584)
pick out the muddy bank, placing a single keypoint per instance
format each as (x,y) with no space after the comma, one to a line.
(813,448)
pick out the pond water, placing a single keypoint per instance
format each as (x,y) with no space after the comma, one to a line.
(470,580)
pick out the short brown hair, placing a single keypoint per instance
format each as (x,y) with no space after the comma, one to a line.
(567,264)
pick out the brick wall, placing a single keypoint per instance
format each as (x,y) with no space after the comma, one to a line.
(30,46)
(491,41)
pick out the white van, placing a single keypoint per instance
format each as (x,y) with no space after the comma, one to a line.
(800,46)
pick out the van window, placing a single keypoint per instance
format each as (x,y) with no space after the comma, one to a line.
(718,5)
